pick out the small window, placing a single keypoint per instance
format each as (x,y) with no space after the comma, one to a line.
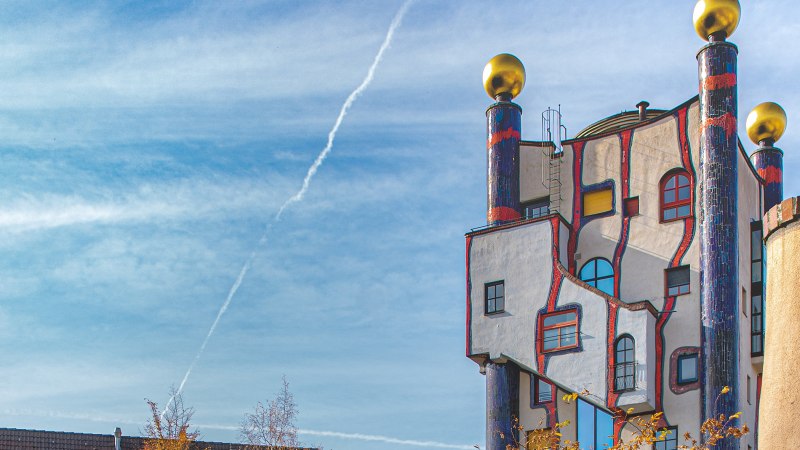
(631,206)
(598,201)
(670,441)
(625,364)
(676,197)
(536,208)
(559,331)
(543,391)
(744,301)
(687,368)
(677,281)
(598,273)
(748,390)
(495,297)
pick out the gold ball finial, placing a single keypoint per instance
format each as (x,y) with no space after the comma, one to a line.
(504,75)
(715,16)
(767,121)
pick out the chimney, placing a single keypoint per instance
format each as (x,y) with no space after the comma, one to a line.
(642,105)
(118,439)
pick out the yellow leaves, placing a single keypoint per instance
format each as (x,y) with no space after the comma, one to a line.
(735,416)
(629,411)
(725,390)
(570,397)
(658,415)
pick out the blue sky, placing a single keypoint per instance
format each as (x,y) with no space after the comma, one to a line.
(145,147)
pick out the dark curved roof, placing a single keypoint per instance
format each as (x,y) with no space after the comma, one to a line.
(617,121)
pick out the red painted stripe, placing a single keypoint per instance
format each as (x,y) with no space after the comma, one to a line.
(555,286)
(502,213)
(683,247)
(715,82)
(572,246)
(771,174)
(613,309)
(727,121)
(502,135)
(469,300)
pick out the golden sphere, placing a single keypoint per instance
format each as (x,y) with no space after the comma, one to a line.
(504,74)
(711,16)
(766,121)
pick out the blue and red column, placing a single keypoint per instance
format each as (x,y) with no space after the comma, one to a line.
(503,124)
(768,162)
(719,249)
(502,405)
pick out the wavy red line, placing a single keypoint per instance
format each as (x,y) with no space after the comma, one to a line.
(727,121)
(715,82)
(502,135)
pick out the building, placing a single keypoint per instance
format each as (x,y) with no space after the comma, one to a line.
(16,439)
(625,264)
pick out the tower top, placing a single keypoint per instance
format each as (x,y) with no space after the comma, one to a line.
(504,77)
(715,19)
(766,122)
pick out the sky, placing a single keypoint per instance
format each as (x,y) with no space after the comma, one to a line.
(146,147)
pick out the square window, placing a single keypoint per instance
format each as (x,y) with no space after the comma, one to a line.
(495,297)
(670,441)
(631,206)
(687,368)
(677,281)
(536,208)
(559,330)
(598,202)
(543,391)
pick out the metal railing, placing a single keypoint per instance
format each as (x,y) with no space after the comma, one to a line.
(625,376)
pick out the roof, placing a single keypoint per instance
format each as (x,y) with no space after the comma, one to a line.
(617,121)
(16,439)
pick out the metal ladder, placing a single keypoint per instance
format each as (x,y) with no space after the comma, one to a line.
(551,155)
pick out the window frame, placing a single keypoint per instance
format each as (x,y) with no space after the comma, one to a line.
(536,391)
(688,285)
(671,437)
(757,302)
(626,387)
(677,203)
(576,323)
(596,279)
(538,203)
(486,287)
(596,190)
(679,380)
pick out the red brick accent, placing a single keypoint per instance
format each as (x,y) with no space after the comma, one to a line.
(781,215)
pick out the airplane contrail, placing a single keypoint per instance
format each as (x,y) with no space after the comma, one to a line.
(298,196)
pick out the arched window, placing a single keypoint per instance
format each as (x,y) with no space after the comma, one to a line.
(598,272)
(676,196)
(624,364)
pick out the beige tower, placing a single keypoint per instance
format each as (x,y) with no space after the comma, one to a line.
(780,396)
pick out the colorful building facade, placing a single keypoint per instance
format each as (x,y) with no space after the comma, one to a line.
(625,264)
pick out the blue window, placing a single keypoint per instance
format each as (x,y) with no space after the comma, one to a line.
(595,427)
(543,391)
(598,272)
(687,368)
(670,441)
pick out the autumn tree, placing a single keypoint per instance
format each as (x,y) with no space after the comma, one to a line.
(170,429)
(273,423)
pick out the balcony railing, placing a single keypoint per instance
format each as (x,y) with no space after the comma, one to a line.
(625,376)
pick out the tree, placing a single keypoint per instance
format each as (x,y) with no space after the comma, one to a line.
(170,430)
(273,424)
(646,432)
